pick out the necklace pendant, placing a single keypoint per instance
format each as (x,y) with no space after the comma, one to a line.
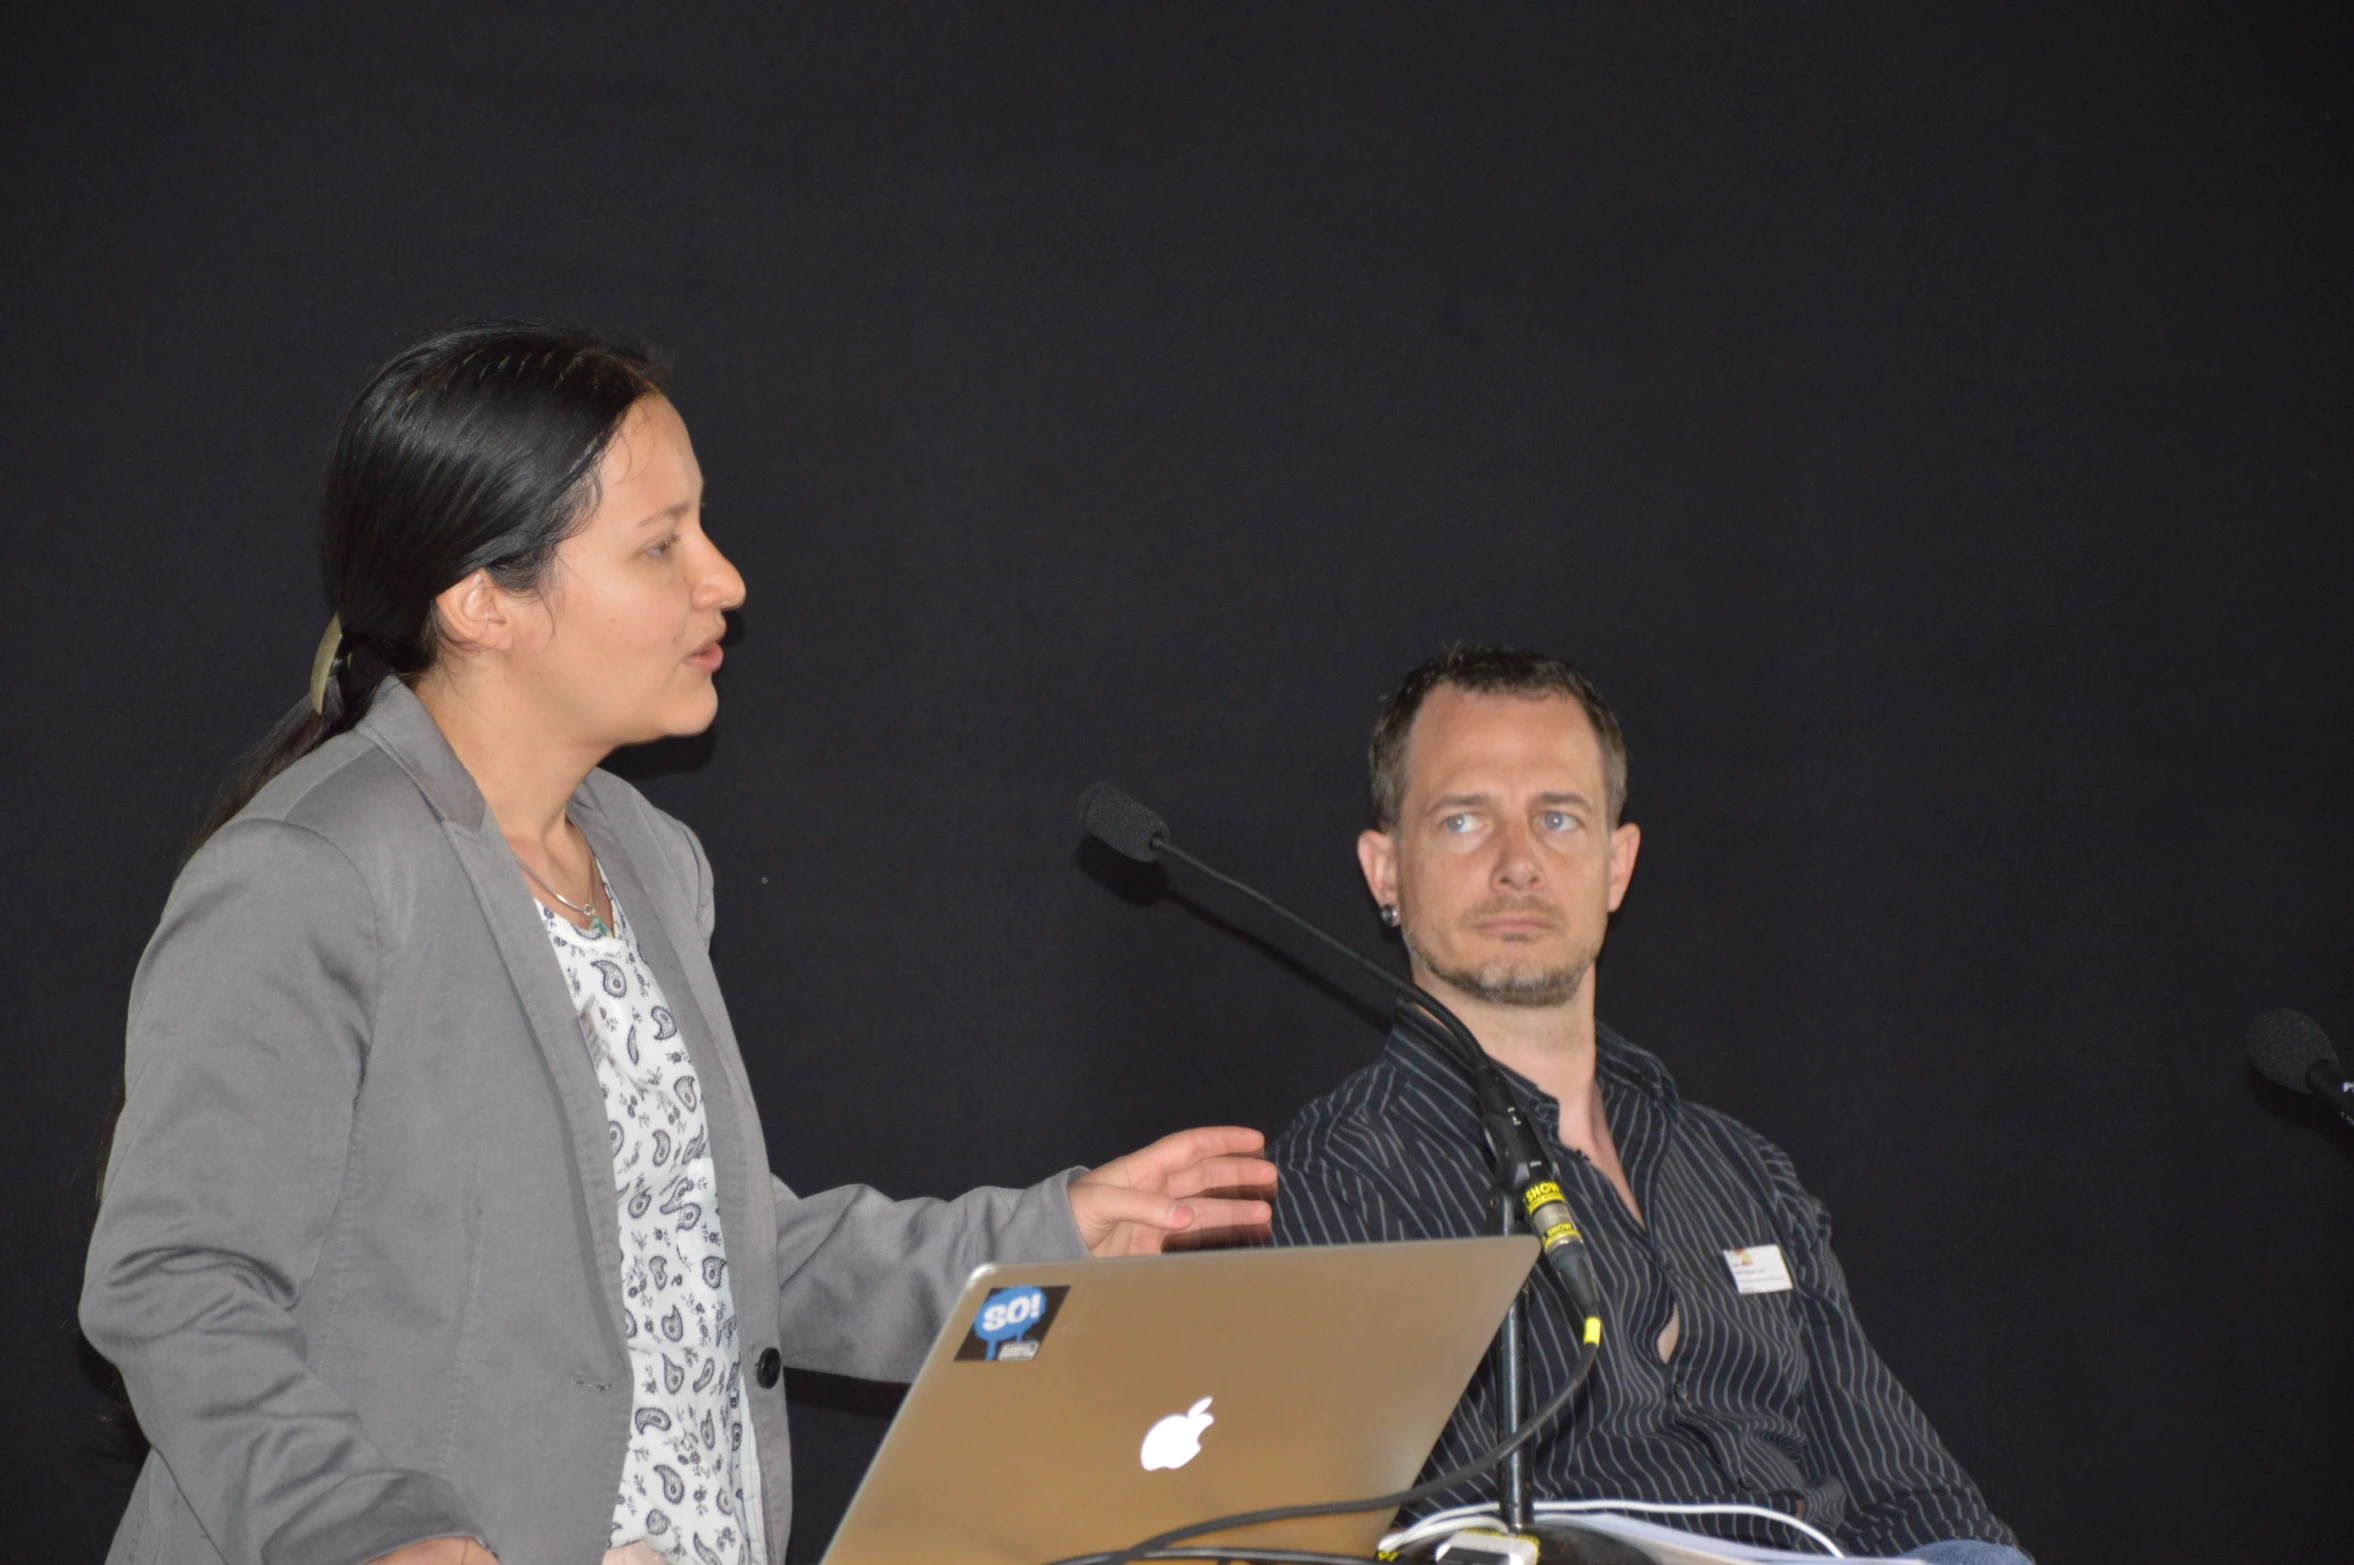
(597,929)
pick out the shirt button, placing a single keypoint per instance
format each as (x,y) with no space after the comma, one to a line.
(770,1369)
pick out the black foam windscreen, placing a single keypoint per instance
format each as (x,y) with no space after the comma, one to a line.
(1122,822)
(2284,1045)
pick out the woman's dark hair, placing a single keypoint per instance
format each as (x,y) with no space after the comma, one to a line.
(474,449)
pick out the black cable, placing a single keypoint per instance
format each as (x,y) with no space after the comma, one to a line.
(1486,1462)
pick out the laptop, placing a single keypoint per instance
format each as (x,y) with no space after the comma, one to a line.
(1078,1407)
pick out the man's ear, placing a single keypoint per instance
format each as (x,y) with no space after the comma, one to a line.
(473,613)
(1625,842)
(1377,856)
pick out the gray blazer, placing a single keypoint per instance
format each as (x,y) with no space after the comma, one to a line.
(357,1255)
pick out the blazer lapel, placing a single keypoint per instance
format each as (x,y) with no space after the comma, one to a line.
(739,1152)
(399,725)
(739,1157)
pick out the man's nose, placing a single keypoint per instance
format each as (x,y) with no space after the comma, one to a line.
(1516,856)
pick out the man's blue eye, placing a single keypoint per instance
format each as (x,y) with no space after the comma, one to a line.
(1456,823)
(1556,820)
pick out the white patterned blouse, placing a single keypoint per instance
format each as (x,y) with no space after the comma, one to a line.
(690,1484)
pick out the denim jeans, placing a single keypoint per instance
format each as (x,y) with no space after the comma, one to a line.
(1967,1551)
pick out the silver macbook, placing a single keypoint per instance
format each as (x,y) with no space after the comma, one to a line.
(1078,1407)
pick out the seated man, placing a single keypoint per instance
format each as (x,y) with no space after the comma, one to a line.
(1733,1368)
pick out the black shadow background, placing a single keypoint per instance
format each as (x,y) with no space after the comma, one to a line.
(1931,426)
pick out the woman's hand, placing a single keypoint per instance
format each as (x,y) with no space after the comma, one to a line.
(1196,1182)
(638,1553)
(439,1551)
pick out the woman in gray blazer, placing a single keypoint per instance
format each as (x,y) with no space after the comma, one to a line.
(437,1223)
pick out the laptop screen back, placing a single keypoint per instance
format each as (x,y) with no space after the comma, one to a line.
(1077,1407)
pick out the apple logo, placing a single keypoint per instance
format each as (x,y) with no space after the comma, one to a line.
(1177,1439)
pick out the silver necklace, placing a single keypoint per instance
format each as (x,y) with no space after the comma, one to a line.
(598,929)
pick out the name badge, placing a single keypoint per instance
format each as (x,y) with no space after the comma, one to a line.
(1759,1270)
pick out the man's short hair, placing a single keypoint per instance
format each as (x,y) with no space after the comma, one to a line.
(1485,670)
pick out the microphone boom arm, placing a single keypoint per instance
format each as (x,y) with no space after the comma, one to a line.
(1474,1057)
(1517,1153)
(1524,1169)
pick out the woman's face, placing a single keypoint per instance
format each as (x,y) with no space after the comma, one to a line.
(628,637)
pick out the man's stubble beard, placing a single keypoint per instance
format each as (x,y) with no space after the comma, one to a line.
(1502,983)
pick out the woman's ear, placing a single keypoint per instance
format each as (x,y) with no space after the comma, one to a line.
(475,615)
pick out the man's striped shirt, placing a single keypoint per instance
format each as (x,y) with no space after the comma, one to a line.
(1770,1397)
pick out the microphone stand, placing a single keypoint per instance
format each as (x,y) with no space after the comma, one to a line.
(1512,1497)
(1527,1185)
(1512,1336)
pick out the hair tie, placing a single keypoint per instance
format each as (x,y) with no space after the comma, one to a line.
(323,663)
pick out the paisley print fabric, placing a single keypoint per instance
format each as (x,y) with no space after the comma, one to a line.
(691,1461)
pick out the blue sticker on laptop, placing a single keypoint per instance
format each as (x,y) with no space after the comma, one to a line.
(1011,1324)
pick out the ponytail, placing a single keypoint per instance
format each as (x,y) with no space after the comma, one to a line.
(474,449)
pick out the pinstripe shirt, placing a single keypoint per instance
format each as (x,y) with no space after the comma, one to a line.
(1771,1397)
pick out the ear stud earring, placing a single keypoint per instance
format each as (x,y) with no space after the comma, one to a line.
(1389,914)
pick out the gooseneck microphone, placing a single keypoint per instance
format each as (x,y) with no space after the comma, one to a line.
(2292,1051)
(1522,1166)
(1515,1150)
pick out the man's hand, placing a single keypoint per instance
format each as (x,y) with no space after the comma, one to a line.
(1195,1182)
(439,1551)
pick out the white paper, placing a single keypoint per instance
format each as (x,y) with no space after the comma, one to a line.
(1672,1546)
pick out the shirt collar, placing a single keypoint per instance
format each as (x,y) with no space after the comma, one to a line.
(1617,1063)
(398,724)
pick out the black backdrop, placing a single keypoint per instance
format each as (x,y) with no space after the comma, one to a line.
(1930,425)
